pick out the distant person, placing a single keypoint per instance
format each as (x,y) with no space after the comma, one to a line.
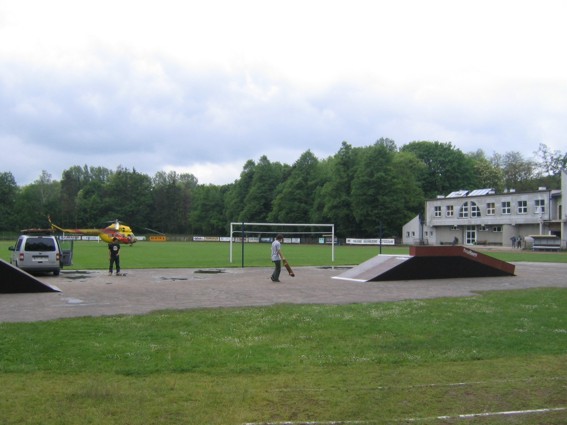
(519,242)
(114,256)
(455,241)
(513,239)
(277,257)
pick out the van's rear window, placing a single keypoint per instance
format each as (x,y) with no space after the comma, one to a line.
(40,244)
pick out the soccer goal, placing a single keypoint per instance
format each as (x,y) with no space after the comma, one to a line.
(241,230)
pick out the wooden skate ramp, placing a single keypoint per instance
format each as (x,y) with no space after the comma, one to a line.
(429,262)
(14,281)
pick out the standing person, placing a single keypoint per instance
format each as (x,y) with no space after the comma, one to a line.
(277,257)
(114,256)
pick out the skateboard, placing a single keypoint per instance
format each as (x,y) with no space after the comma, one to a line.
(288,268)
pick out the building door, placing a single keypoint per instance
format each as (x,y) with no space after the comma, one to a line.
(470,235)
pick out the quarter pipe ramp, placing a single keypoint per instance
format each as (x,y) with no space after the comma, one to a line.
(429,262)
(13,280)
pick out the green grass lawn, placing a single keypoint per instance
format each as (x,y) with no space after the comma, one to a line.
(364,363)
(94,255)
(422,361)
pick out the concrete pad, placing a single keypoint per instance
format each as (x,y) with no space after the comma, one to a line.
(94,293)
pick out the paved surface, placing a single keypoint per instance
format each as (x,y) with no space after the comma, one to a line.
(94,293)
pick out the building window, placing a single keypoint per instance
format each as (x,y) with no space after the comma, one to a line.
(437,211)
(539,206)
(449,211)
(497,228)
(464,210)
(506,207)
(475,210)
(522,207)
(490,208)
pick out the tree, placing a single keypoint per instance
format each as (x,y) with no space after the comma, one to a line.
(294,200)
(335,195)
(37,201)
(519,173)
(8,195)
(549,166)
(447,168)
(171,198)
(551,162)
(487,174)
(261,192)
(207,216)
(238,191)
(128,197)
(408,198)
(372,189)
(91,205)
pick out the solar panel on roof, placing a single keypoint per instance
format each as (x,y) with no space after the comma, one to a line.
(480,192)
(457,194)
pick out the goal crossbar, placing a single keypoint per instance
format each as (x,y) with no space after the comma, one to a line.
(243,225)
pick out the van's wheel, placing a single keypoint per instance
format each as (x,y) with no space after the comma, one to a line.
(56,272)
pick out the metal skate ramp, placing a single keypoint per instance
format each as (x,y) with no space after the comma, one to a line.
(429,262)
(14,281)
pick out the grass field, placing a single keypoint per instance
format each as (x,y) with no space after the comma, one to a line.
(402,362)
(93,255)
(426,362)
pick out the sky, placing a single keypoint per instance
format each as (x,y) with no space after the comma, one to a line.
(202,87)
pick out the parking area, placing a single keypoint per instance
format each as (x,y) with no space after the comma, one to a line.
(94,293)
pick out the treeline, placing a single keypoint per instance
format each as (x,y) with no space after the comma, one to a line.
(359,189)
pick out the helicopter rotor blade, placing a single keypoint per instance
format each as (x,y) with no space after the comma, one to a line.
(154,231)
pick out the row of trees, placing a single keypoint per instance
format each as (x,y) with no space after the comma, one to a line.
(359,189)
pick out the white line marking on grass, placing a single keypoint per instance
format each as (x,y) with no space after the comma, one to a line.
(484,414)
(308,423)
(417,386)
(462,416)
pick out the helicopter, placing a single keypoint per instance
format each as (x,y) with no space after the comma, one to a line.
(116,230)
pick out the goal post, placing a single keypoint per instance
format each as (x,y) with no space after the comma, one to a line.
(236,227)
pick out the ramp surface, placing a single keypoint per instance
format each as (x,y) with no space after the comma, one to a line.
(429,262)
(374,267)
(14,281)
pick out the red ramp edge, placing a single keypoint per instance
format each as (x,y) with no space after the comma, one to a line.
(15,281)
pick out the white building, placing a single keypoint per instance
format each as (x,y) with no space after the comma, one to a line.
(483,217)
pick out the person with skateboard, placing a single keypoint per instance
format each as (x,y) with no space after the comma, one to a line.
(114,252)
(277,257)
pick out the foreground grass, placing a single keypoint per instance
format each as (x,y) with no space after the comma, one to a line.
(375,363)
(94,255)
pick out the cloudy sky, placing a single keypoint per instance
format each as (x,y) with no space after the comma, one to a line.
(203,86)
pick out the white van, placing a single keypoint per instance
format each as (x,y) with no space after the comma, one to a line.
(37,253)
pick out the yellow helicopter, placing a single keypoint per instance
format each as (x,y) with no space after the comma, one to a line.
(116,230)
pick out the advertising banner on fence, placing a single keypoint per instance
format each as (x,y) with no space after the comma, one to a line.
(353,241)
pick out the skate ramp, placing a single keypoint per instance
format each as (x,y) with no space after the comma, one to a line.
(429,262)
(15,281)
(375,267)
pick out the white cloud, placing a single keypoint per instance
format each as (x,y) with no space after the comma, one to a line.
(211,173)
(206,86)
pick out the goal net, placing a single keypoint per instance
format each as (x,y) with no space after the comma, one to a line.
(241,231)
